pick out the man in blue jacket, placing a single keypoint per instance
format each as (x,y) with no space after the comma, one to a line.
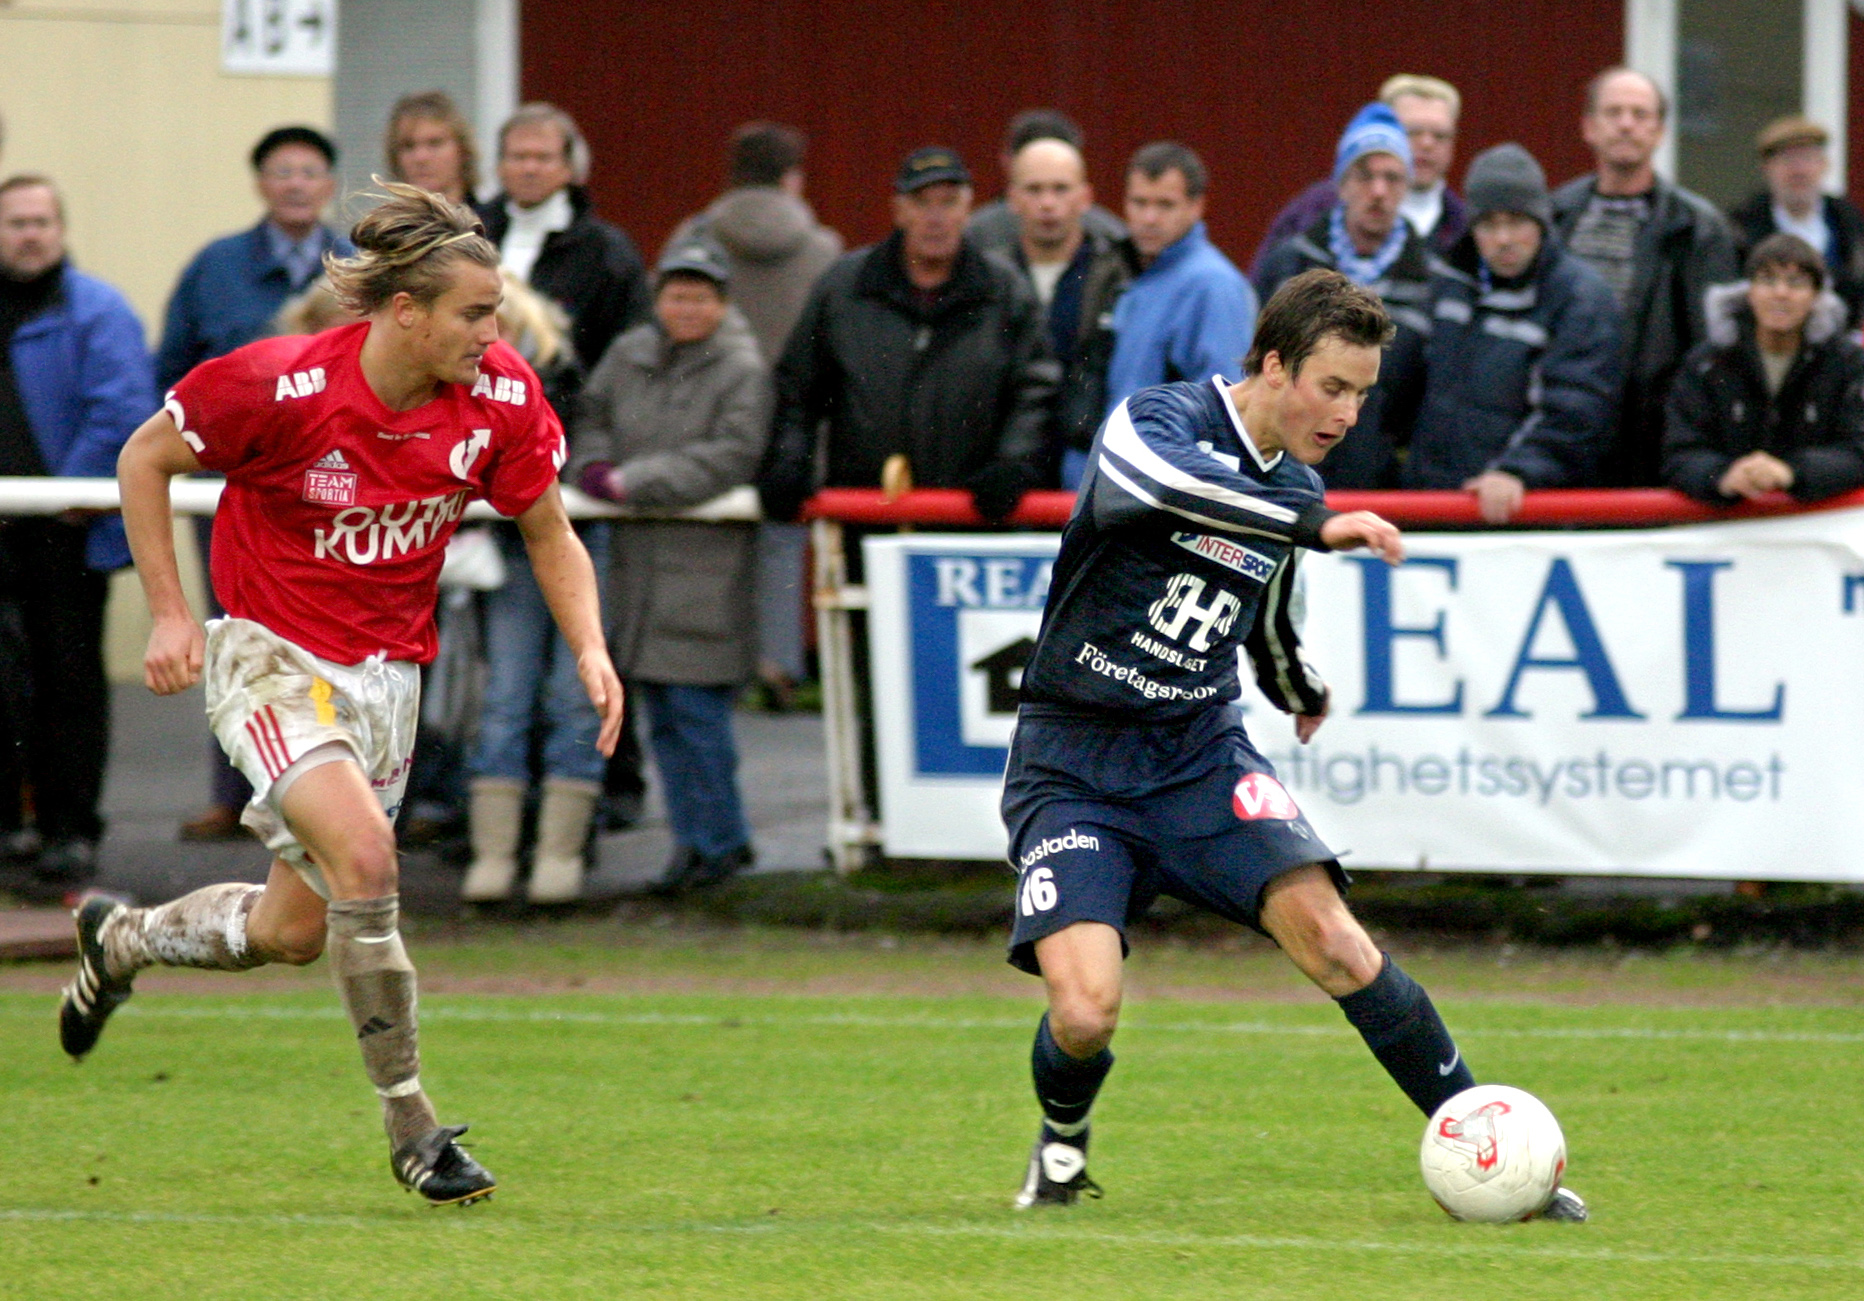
(229,295)
(1189,314)
(74,383)
(1525,360)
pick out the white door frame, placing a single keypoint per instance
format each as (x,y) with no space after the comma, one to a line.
(1650,47)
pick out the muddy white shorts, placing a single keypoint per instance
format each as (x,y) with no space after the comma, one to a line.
(279,711)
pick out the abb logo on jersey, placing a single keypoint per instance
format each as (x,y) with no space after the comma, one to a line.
(501,388)
(1259,795)
(363,535)
(299,384)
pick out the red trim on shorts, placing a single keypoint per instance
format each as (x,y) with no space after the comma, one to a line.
(270,742)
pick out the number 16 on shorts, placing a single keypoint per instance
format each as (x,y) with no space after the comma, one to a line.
(1038,893)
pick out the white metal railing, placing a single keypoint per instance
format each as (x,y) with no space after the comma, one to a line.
(54,496)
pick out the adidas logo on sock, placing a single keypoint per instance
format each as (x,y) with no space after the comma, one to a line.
(332,460)
(374,1025)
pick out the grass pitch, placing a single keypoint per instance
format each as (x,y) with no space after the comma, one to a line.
(761,1115)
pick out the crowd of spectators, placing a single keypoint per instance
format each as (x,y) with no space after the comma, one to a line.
(1618,331)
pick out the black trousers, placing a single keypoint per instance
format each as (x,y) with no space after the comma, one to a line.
(58,735)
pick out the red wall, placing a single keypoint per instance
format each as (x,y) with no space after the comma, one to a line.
(1260,90)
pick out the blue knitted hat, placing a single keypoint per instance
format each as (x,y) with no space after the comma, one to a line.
(1375,129)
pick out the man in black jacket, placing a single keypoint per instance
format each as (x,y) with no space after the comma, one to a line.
(1658,246)
(1524,360)
(549,236)
(1794,162)
(926,359)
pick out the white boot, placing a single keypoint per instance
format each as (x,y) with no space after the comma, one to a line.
(497,818)
(562,830)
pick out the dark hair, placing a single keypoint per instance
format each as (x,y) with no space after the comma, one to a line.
(762,152)
(279,137)
(1161,156)
(406,245)
(1597,84)
(432,106)
(1310,307)
(1789,252)
(1041,124)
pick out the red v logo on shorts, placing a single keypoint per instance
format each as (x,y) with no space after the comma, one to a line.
(1259,795)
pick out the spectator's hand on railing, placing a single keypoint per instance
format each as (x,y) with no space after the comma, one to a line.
(173,661)
(1361,528)
(998,487)
(1498,495)
(1755,475)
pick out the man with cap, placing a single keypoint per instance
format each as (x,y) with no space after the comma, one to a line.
(228,296)
(927,361)
(677,413)
(1525,359)
(1794,163)
(1659,246)
(1364,238)
(1189,313)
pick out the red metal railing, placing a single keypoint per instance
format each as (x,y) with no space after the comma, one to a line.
(1565,507)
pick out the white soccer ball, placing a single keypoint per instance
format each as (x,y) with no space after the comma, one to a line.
(1493,1154)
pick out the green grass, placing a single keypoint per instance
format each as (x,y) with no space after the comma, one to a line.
(669,1119)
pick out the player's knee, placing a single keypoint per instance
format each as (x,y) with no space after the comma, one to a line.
(1083,1022)
(370,865)
(1344,956)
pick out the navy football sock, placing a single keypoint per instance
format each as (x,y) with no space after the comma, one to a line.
(1401,1026)
(1065,1086)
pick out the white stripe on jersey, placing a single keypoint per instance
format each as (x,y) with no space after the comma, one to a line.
(1112,472)
(1121,438)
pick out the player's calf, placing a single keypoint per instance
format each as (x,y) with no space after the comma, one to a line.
(1066,1087)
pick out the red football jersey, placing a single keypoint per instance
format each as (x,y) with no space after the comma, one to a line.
(336,513)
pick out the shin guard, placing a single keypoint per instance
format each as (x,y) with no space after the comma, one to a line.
(206,928)
(376,981)
(1400,1025)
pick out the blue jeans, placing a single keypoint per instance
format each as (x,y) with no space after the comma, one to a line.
(690,730)
(531,673)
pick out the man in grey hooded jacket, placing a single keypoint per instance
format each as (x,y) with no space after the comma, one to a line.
(775,250)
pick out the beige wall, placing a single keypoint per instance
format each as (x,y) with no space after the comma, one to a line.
(124,104)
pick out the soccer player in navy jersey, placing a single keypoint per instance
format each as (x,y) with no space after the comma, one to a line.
(349,457)
(1130,774)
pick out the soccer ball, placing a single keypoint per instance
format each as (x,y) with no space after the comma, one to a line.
(1493,1154)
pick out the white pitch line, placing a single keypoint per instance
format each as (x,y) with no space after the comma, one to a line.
(1512,1248)
(235,1011)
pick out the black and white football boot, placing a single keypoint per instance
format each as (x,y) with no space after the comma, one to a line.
(1057,1175)
(1565,1205)
(94,994)
(438,1168)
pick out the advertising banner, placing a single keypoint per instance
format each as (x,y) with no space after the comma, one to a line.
(1670,702)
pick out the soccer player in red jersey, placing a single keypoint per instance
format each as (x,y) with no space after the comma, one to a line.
(349,457)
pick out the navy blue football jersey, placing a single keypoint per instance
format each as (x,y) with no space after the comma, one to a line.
(1182,547)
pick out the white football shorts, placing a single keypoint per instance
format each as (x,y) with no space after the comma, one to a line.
(279,711)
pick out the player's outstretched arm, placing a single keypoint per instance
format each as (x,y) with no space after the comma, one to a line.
(155,454)
(1361,528)
(567,579)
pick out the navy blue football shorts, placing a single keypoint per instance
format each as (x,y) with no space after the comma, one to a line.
(1104,817)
